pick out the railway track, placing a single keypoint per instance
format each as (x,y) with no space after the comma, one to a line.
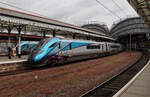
(114,84)
(12,68)
(20,67)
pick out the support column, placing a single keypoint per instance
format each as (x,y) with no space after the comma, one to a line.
(88,37)
(9,45)
(74,36)
(16,42)
(135,44)
(54,33)
(130,42)
(19,28)
(44,34)
(97,39)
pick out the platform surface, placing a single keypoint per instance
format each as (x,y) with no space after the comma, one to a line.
(140,87)
(4,59)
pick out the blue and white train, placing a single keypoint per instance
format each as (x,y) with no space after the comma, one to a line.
(57,50)
(26,47)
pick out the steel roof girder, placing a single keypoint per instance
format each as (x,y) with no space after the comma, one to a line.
(34,26)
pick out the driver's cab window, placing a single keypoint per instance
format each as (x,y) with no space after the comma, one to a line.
(52,45)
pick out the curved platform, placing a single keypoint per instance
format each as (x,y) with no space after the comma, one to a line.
(139,86)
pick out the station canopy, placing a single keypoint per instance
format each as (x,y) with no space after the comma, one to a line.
(34,23)
(143,9)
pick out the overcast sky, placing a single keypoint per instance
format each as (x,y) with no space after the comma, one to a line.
(76,11)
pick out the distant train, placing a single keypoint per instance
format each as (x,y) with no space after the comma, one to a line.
(57,50)
(27,47)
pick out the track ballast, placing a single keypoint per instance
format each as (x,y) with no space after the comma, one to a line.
(112,86)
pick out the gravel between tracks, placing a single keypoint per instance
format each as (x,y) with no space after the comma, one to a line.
(65,81)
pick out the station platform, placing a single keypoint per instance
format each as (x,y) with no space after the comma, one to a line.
(139,86)
(5,60)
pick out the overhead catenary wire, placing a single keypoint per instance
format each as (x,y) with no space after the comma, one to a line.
(108,9)
(21,9)
(119,7)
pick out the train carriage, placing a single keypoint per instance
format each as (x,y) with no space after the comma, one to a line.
(51,49)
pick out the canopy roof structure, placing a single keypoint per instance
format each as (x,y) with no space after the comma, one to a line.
(33,23)
(143,9)
(134,26)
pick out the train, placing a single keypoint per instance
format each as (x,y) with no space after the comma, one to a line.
(60,50)
(27,47)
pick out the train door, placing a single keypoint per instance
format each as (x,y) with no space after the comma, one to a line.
(70,49)
(99,48)
(102,50)
(65,47)
(106,47)
(60,48)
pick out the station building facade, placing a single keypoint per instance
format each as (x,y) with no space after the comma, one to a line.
(102,28)
(132,32)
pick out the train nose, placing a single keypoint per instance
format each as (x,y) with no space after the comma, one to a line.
(36,58)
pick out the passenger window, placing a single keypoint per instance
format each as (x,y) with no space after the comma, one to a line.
(52,45)
(95,46)
(92,47)
(88,47)
(28,46)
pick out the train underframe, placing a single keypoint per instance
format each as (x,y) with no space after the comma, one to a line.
(70,59)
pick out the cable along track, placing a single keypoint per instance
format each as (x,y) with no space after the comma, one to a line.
(112,86)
